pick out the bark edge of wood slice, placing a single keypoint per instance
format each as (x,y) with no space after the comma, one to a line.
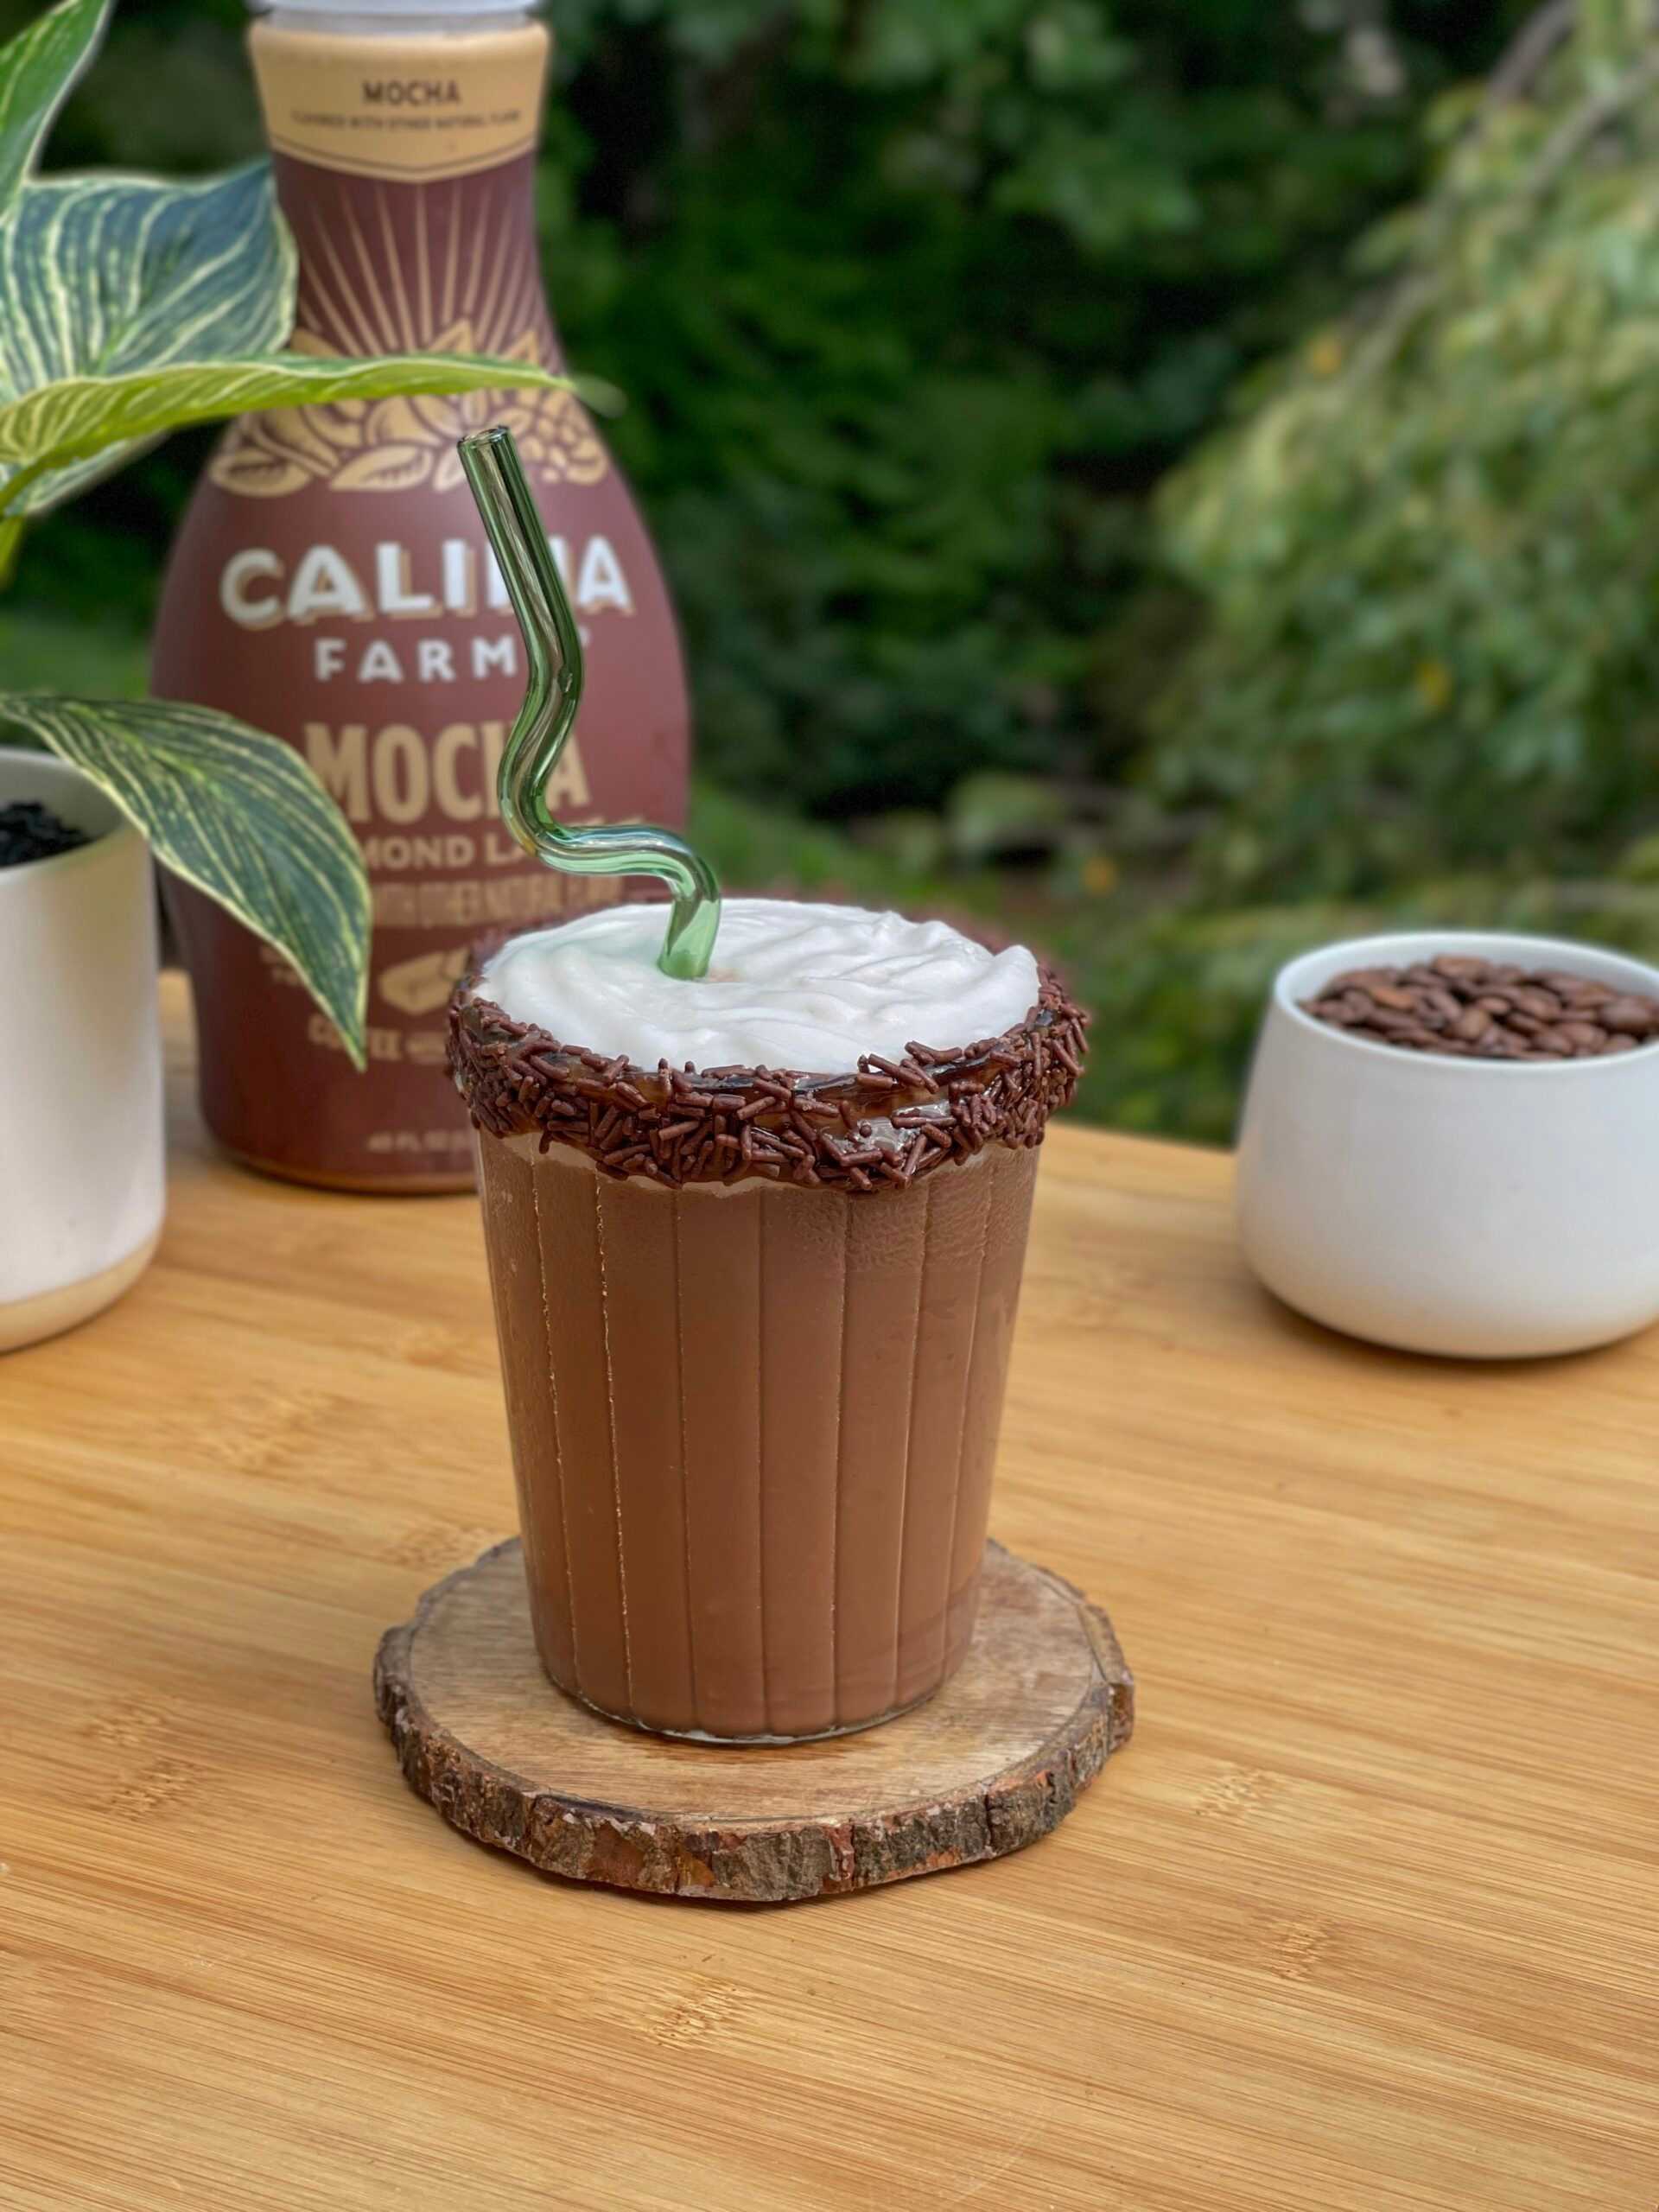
(994,1761)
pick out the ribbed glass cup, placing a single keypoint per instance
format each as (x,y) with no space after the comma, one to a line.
(754,1429)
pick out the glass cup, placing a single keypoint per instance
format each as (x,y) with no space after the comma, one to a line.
(754,1418)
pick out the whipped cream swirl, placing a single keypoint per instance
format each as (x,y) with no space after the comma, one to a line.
(809,989)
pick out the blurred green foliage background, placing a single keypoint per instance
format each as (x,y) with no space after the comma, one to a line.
(1174,481)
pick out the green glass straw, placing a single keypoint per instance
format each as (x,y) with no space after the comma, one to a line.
(553,645)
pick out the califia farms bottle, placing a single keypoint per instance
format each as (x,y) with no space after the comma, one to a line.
(331,583)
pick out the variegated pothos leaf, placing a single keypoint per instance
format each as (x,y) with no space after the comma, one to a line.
(104,279)
(38,68)
(80,417)
(238,814)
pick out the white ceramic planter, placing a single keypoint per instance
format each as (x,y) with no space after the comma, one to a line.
(81,1156)
(1485,1209)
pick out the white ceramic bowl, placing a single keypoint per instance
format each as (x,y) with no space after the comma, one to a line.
(1486,1209)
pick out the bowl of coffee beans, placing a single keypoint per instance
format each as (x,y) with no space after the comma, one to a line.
(1451,1143)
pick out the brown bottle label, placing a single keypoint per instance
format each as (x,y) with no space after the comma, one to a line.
(406,107)
(332,584)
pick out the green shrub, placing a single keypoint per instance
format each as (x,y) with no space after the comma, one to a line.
(1428,546)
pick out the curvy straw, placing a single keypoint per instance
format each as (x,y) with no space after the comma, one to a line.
(553,645)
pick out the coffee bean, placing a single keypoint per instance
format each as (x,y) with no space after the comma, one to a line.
(1465,1007)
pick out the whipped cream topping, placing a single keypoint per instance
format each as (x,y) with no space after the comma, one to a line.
(808,989)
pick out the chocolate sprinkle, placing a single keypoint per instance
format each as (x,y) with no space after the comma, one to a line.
(877,1129)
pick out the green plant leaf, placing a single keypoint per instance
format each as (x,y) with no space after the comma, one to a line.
(238,814)
(37,69)
(108,274)
(105,277)
(47,437)
(134,307)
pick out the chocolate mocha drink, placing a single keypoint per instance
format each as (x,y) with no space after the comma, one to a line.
(755,1327)
(332,583)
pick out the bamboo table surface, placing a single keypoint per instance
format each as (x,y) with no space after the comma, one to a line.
(1367,1916)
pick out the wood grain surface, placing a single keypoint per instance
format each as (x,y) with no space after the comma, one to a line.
(1367,1917)
(992,1762)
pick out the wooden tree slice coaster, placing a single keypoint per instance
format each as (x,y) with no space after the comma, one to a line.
(997,1759)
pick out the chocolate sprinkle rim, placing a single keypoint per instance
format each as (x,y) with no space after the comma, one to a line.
(878,1128)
